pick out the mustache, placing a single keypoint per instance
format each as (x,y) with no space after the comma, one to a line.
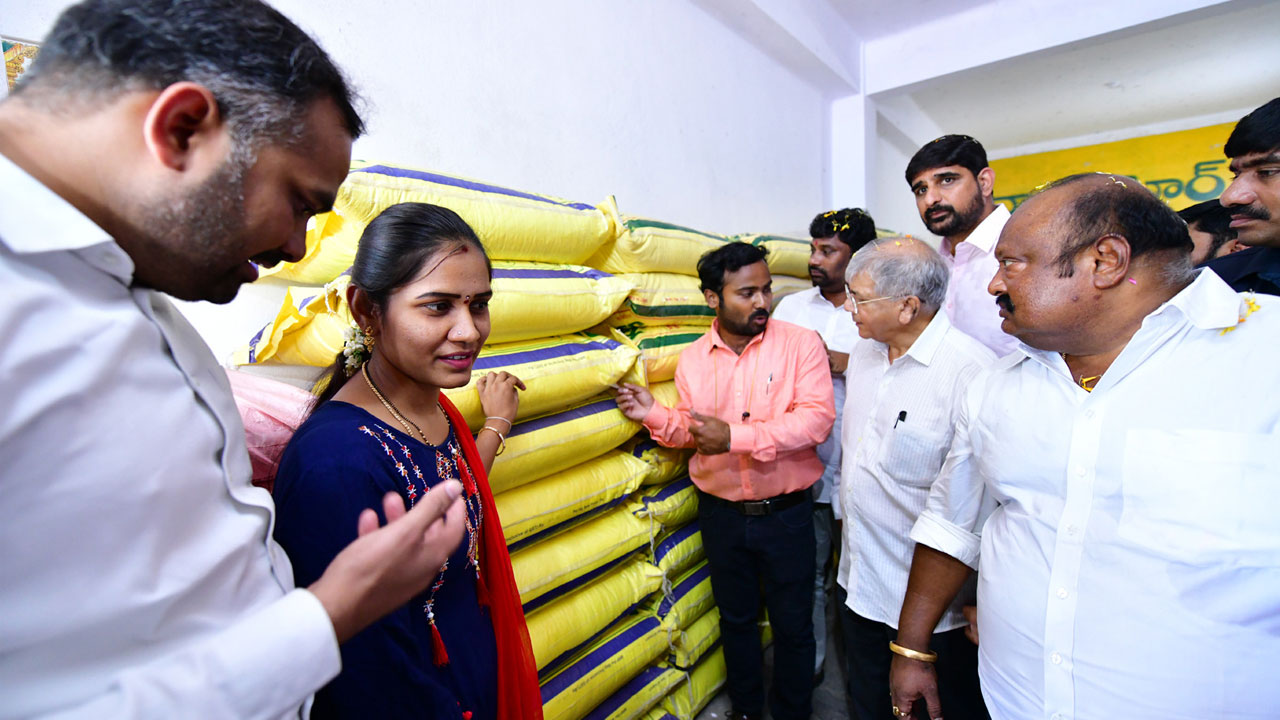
(1249,211)
(759,313)
(940,208)
(1003,301)
(814,270)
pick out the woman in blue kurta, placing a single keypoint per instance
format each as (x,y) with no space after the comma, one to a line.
(419,295)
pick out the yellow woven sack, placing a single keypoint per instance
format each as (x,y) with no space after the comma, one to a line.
(665,464)
(307,329)
(787,255)
(660,346)
(659,712)
(512,224)
(784,286)
(644,245)
(546,503)
(677,550)
(663,299)
(568,621)
(603,667)
(546,565)
(665,392)
(548,444)
(672,505)
(705,680)
(689,598)
(694,641)
(530,300)
(641,694)
(557,372)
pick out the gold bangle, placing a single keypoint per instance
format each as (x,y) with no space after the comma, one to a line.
(928,656)
(502,439)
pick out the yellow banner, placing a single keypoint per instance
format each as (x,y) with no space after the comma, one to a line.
(1181,168)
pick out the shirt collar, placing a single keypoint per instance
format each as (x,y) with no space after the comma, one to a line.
(717,341)
(1208,303)
(34,219)
(930,339)
(984,237)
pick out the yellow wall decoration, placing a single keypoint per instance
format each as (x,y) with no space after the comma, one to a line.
(1182,168)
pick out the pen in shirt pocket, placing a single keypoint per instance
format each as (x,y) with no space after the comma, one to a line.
(902,417)
(767,383)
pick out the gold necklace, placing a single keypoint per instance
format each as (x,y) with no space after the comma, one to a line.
(410,426)
(1085,381)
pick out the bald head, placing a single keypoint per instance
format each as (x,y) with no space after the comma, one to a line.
(903,266)
(1097,205)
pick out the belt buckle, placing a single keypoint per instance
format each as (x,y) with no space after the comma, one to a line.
(755,508)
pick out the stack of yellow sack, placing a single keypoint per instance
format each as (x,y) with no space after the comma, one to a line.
(600,520)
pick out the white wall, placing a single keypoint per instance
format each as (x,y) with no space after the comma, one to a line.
(655,102)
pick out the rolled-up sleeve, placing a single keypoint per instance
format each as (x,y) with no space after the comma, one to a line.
(958,503)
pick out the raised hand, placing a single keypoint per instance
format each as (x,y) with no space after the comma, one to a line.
(386,566)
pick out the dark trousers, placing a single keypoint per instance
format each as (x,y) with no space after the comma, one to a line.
(773,552)
(867,659)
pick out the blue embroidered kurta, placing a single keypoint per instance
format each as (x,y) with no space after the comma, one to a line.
(341,461)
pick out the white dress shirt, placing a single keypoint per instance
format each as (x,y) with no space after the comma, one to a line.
(139,578)
(969,305)
(809,309)
(1130,563)
(892,461)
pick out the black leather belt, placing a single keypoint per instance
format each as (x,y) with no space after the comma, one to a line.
(762,507)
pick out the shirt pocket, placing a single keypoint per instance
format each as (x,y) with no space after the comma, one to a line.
(1202,496)
(914,455)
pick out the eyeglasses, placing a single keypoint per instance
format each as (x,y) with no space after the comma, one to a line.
(855,302)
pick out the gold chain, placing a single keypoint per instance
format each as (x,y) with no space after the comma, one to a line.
(408,424)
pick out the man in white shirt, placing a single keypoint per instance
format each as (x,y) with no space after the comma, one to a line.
(164,147)
(1125,521)
(954,190)
(906,379)
(836,234)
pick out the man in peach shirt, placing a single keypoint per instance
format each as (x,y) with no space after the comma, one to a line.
(755,400)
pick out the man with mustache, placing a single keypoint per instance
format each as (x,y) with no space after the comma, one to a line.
(755,400)
(162,147)
(836,234)
(1130,558)
(1253,199)
(954,190)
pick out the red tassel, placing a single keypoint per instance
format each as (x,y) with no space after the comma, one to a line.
(467,480)
(466,715)
(482,591)
(441,656)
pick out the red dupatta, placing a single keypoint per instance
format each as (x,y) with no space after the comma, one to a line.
(519,697)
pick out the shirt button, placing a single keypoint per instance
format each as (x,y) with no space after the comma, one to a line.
(1081,471)
(1062,593)
(1056,659)
(1072,529)
(1056,716)
(1089,414)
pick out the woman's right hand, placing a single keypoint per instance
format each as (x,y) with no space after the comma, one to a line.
(499,397)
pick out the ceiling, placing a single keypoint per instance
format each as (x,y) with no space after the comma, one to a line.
(872,19)
(1209,65)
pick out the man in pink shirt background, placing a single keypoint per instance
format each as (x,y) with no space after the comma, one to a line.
(755,400)
(954,190)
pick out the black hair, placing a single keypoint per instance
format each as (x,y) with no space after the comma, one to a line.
(1212,218)
(263,69)
(853,226)
(1122,206)
(393,249)
(1257,132)
(947,150)
(727,258)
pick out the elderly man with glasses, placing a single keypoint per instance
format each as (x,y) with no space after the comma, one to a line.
(906,377)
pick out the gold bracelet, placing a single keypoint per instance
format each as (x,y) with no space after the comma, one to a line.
(928,656)
(502,439)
